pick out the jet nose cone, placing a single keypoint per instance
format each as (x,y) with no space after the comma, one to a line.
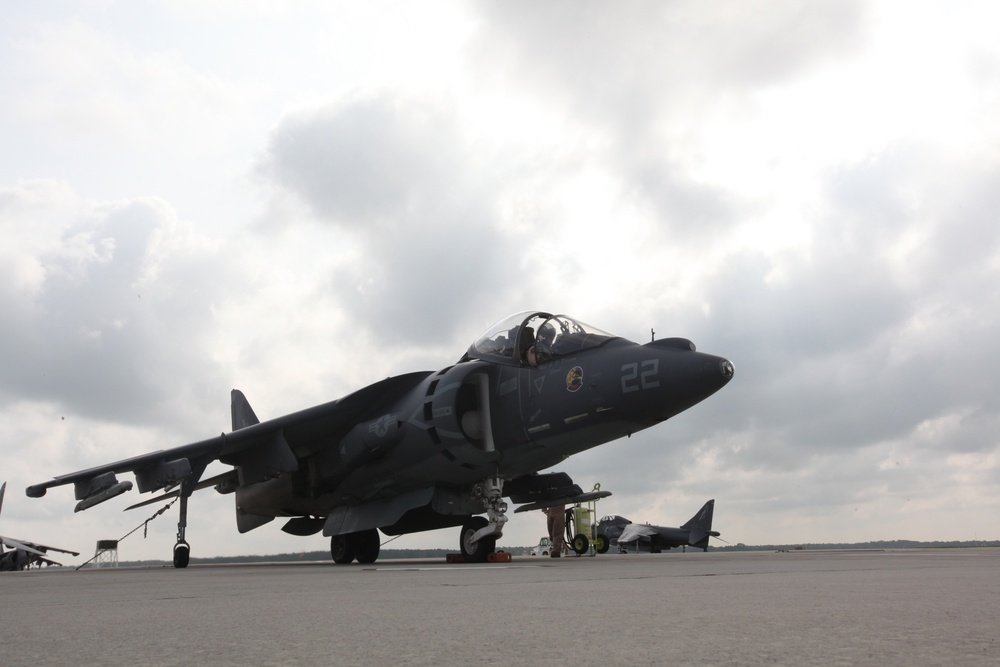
(714,373)
(706,374)
(680,378)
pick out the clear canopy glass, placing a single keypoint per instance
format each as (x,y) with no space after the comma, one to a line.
(534,337)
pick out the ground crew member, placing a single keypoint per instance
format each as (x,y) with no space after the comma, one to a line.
(557,528)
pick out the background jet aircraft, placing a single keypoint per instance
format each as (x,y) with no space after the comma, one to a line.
(695,533)
(23,554)
(429,450)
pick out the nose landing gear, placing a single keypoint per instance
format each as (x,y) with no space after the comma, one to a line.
(479,535)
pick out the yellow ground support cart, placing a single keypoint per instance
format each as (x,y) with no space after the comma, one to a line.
(581,526)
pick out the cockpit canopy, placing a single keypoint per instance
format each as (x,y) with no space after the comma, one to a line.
(533,337)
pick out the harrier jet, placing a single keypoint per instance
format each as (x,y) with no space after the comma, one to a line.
(430,449)
(694,533)
(23,554)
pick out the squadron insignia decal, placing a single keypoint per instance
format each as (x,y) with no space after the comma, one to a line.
(574,379)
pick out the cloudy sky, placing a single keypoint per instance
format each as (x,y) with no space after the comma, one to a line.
(300,199)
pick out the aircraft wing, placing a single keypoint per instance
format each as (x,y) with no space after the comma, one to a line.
(46,548)
(261,450)
(15,544)
(37,551)
(634,531)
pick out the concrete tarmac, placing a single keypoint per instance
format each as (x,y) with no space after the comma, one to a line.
(896,607)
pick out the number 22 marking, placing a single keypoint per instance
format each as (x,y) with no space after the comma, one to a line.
(633,380)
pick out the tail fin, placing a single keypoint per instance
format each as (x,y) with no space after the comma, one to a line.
(700,525)
(243,414)
(3,490)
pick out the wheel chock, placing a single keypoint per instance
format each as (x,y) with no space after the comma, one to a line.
(498,557)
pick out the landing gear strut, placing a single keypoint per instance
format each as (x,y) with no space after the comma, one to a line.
(479,535)
(182,550)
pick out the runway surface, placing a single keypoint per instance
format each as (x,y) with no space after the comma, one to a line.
(900,607)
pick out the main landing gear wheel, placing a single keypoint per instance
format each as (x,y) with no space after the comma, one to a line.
(363,545)
(366,546)
(581,544)
(342,549)
(602,543)
(476,552)
(182,554)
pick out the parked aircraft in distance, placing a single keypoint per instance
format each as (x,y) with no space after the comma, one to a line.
(429,450)
(23,554)
(695,533)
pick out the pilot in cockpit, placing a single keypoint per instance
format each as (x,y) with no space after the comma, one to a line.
(526,346)
(534,351)
(543,345)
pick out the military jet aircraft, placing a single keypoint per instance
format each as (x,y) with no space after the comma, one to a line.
(430,449)
(695,533)
(23,554)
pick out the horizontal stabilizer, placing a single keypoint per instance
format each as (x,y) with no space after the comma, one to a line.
(698,535)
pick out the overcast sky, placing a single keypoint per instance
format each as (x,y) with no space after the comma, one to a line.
(298,199)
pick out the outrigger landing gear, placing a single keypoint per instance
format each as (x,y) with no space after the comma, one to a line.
(182,550)
(479,535)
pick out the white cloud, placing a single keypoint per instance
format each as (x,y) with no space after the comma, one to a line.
(297,201)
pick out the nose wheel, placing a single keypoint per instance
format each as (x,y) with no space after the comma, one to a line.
(182,553)
(480,534)
(476,550)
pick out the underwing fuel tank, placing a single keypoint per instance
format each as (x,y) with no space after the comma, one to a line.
(106,494)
